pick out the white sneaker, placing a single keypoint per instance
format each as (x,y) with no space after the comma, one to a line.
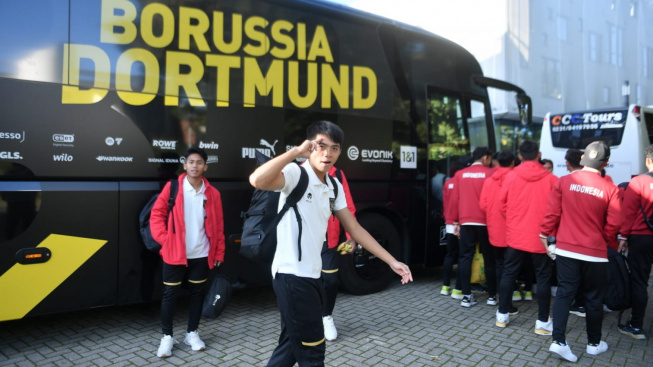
(544,328)
(165,348)
(492,301)
(563,351)
(468,301)
(502,319)
(330,332)
(597,349)
(193,339)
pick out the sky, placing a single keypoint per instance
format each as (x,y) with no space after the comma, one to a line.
(476,25)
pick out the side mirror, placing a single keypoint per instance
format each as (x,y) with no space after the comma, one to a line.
(525,108)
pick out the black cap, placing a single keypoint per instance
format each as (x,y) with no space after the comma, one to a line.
(595,155)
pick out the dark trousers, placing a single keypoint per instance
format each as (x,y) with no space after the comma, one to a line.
(570,274)
(449,259)
(329,278)
(499,257)
(512,266)
(640,258)
(470,235)
(300,303)
(173,276)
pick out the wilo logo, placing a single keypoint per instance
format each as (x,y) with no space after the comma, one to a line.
(268,150)
(211,145)
(165,144)
(63,138)
(62,157)
(353,152)
(10,155)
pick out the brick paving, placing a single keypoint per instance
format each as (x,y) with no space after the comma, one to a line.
(410,325)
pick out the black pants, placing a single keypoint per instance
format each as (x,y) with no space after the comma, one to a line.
(173,275)
(300,303)
(449,259)
(329,278)
(499,257)
(513,263)
(640,258)
(470,235)
(570,274)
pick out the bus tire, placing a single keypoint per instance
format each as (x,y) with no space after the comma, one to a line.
(362,273)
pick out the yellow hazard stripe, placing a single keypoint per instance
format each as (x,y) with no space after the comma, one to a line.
(171,284)
(307,344)
(22,287)
(330,271)
(197,281)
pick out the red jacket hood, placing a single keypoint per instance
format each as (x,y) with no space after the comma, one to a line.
(531,171)
(500,174)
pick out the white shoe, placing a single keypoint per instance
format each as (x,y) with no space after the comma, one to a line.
(492,301)
(502,319)
(193,339)
(563,351)
(330,332)
(543,328)
(597,349)
(165,348)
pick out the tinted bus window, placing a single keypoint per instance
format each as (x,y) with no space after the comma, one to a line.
(578,130)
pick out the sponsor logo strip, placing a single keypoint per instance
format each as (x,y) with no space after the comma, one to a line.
(25,286)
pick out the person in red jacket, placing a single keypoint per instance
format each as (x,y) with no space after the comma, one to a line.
(585,212)
(469,221)
(192,241)
(330,258)
(523,199)
(489,203)
(637,238)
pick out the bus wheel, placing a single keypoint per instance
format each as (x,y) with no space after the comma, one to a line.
(363,273)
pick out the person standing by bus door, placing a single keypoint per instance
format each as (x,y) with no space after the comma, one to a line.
(585,212)
(490,205)
(192,241)
(637,238)
(296,280)
(523,198)
(330,258)
(470,224)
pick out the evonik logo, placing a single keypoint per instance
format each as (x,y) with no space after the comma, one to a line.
(353,152)
(13,136)
(65,157)
(370,155)
(165,144)
(10,155)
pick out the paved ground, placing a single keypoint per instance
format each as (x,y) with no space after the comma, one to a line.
(410,325)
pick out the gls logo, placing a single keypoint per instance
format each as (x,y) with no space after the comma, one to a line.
(62,158)
(10,155)
(165,144)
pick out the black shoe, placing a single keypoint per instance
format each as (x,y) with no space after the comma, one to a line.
(513,311)
(577,310)
(634,332)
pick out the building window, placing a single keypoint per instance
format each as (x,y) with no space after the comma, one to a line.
(551,81)
(562,29)
(606,95)
(615,45)
(647,62)
(594,43)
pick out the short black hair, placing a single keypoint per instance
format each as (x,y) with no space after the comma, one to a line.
(505,158)
(545,161)
(573,157)
(649,152)
(529,149)
(196,150)
(481,152)
(328,128)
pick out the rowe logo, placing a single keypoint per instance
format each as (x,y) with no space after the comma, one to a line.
(165,144)
(65,157)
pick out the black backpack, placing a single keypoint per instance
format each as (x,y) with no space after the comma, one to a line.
(144,217)
(259,237)
(217,295)
(616,293)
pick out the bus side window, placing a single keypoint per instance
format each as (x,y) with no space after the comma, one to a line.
(447,137)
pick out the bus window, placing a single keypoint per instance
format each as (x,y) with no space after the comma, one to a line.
(648,118)
(578,134)
(447,136)
(477,125)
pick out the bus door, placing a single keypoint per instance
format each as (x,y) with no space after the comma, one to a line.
(453,124)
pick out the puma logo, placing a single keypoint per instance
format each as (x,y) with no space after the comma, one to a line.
(271,146)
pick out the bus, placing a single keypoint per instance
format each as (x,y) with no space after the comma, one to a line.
(101,98)
(627,130)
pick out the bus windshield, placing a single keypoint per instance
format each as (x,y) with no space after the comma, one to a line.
(577,130)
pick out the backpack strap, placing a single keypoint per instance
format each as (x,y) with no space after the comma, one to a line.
(335,185)
(174,187)
(291,202)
